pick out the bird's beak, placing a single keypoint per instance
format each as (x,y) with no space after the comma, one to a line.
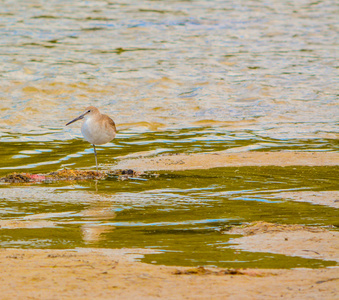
(78,118)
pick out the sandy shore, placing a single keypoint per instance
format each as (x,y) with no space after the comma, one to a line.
(112,274)
(225,159)
(115,274)
(292,240)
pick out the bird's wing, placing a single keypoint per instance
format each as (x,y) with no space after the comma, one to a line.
(111,123)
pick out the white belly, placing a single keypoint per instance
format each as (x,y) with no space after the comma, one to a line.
(95,133)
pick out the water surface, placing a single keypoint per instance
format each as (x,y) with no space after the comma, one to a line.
(182,214)
(176,76)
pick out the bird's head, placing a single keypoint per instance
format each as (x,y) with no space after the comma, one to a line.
(89,112)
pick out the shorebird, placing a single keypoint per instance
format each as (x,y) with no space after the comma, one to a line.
(97,129)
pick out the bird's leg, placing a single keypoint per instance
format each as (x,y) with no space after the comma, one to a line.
(95,154)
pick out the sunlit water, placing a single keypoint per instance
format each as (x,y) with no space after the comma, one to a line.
(176,76)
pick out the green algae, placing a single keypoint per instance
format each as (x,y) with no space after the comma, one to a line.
(181,214)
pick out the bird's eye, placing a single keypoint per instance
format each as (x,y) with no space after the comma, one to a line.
(89,111)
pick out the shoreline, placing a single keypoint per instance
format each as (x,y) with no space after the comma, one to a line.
(180,162)
(112,274)
(116,273)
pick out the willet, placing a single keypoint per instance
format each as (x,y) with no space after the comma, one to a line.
(97,129)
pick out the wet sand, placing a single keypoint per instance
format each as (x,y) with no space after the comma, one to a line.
(327,198)
(115,274)
(225,159)
(111,274)
(292,240)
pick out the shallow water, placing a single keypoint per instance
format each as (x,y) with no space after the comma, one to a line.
(176,76)
(182,214)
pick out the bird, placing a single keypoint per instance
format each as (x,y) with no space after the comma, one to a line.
(97,128)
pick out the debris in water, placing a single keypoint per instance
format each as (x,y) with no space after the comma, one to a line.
(16,178)
(204,271)
(70,175)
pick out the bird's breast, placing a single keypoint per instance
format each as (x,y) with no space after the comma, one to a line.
(96,133)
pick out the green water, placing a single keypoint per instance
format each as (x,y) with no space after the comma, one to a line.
(38,153)
(181,214)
